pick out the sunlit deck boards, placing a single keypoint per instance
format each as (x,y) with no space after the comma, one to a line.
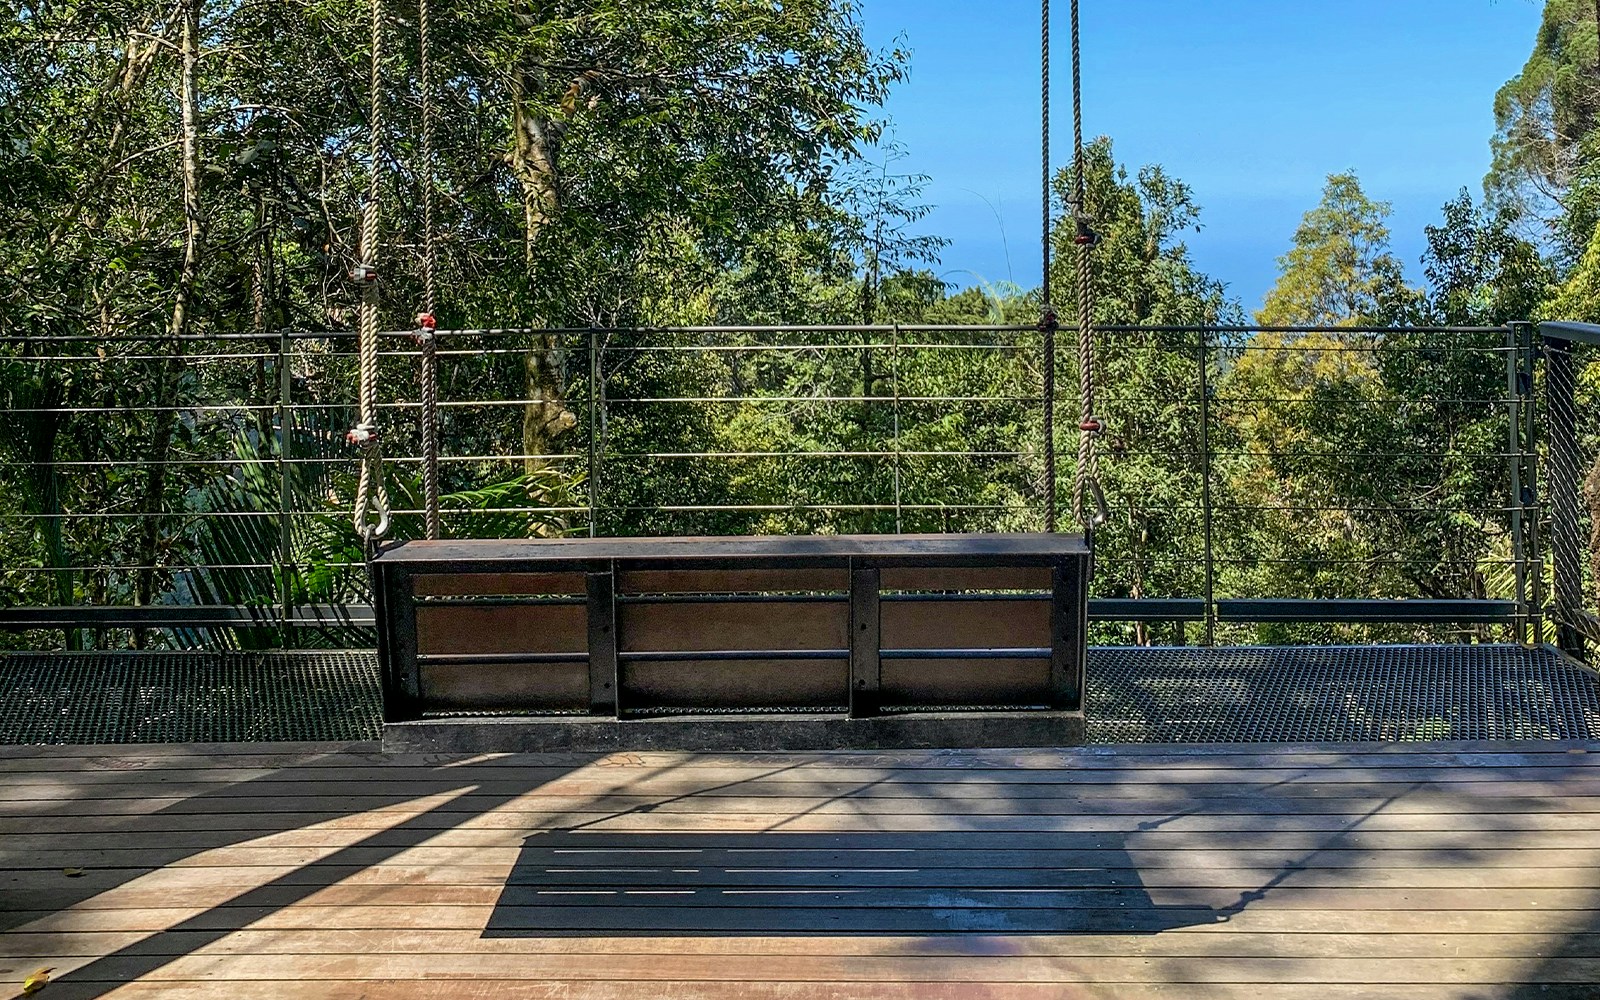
(1325,872)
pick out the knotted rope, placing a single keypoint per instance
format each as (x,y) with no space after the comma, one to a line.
(372,497)
(426,324)
(1086,482)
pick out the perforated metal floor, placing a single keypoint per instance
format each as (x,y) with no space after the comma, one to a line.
(1183,695)
(66,698)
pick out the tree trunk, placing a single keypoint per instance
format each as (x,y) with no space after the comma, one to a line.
(150,540)
(534,160)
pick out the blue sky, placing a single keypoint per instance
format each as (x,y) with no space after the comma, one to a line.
(1252,102)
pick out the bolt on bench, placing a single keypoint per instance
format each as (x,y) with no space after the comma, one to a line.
(805,643)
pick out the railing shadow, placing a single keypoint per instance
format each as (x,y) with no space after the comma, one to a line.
(465,792)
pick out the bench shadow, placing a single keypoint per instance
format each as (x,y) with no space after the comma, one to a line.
(591,883)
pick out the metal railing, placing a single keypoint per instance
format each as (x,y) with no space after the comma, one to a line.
(1264,485)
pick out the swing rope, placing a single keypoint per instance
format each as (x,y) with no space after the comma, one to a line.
(372,497)
(1047,315)
(1088,501)
(426,323)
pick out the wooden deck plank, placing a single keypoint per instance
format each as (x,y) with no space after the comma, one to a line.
(78,830)
(950,832)
(836,969)
(519,989)
(1207,942)
(315,870)
(132,782)
(432,917)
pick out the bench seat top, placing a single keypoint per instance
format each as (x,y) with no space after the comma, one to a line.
(991,549)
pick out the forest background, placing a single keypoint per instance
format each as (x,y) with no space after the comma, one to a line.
(180,181)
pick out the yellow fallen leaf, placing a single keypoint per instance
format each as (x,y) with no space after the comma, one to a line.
(73,872)
(37,981)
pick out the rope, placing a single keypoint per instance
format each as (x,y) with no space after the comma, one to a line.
(1086,482)
(1047,316)
(426,324)
(372,498)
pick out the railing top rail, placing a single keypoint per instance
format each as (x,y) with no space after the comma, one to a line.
(1560,330)
(1577,333)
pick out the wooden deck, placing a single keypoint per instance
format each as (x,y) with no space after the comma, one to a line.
(1268,873)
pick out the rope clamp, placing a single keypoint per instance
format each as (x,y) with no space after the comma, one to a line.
(426,325)
(364,274)
(364,436)
(1048,322)
(1094,427)
(1086,237)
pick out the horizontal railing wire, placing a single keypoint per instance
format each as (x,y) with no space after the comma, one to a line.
(778,429)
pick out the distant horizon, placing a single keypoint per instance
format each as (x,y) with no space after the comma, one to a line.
(1181,84)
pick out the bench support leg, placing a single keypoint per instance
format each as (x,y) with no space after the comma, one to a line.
(866,663)
(603,674)
(1069,626)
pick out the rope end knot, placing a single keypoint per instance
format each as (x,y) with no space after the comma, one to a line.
(365,436)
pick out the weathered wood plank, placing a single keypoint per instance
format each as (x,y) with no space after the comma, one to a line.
(779,773)
(364,853)
(647,897)
(1469,923)
(1126,757)
(849,969)
(1067,818)
(451,945)
(501,628)
(497,584)
(95,887)
(865,832)
(519,989)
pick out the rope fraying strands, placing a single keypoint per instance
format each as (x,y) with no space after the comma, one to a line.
(372,509)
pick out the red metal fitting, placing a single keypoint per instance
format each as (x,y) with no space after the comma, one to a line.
(364,274)
(1092,426)
(425,321)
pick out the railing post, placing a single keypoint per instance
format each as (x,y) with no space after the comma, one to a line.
(1205,489)
(594,428)
(1566,540)
(1519,541)
(1530,484)
(894,380)
(285,485)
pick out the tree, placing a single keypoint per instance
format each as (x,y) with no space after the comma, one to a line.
(1339,271)
(1545,120)
(1480,272)
(879,208)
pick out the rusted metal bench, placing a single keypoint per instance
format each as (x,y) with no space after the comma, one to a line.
(734,643)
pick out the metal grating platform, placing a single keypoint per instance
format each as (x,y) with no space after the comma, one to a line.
(1331,694)
(85,698)
(1167,695)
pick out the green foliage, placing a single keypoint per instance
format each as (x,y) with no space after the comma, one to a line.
(1339,271)
(1545,118)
